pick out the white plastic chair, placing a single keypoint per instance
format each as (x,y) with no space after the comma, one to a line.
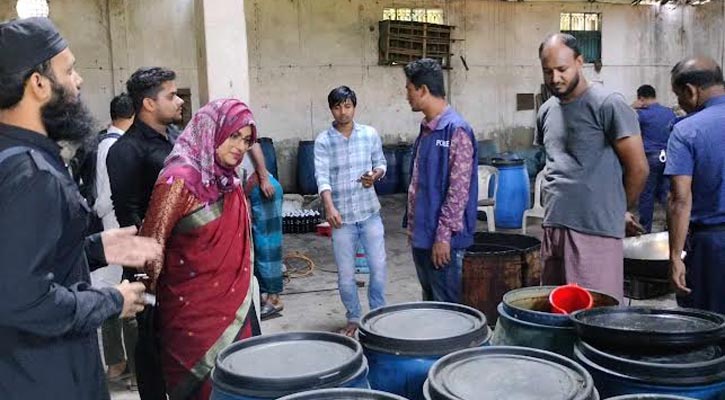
(487,204)
(537,211)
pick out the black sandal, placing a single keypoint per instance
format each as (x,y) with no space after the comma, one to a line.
(268,310)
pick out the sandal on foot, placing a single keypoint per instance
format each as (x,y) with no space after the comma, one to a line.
(350,330)
(267,311)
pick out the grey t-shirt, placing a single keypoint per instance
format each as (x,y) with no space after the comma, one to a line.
(583,188)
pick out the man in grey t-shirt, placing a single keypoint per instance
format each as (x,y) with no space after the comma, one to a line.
(595,168)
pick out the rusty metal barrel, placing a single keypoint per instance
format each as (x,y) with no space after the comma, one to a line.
(495,264)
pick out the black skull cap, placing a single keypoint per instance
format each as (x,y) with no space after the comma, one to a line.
(25,43)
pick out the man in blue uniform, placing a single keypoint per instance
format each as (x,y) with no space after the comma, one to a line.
(655,122)
(49,312)
(696,165)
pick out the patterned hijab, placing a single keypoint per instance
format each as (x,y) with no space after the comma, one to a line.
(193,158)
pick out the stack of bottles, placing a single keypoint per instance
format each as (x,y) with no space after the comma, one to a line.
(300,221)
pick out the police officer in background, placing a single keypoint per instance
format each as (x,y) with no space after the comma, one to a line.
(49,312)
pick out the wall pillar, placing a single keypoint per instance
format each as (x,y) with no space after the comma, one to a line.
(222,45)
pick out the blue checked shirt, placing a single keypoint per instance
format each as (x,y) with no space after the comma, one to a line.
(339,163)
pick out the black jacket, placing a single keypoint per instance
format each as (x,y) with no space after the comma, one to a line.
(49,313)
(133,164)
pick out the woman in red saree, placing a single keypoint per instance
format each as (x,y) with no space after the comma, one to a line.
(199,213)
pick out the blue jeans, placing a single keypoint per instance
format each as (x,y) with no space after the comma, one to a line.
(655,189)
(442,284)
(371,235)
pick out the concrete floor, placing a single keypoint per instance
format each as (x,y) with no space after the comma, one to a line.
(312,302)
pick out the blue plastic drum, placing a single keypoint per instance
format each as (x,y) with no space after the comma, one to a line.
(525,319)
(306,181)
(649,396)
(390,183)
(512,198)
(698,373)
(508,373)
(402,341)
(487,149)
(343,394)
(270,155)
(272,366)
(405,158)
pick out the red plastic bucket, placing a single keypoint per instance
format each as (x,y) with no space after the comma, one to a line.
(569,298)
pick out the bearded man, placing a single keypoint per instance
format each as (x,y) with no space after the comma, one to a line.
(595,169)
(49,312)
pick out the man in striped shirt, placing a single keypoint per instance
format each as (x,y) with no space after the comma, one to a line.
(348,160)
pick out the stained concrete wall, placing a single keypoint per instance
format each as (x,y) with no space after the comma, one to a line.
(154,33)
(707,34)
(91,48)
(7,10)
(90,45)
(300,49)
(111,38)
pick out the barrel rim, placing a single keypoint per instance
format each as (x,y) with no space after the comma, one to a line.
(502,310)
(650,396)
(450,359)
(371,340)
(341,391)
(502,162)
(497,253)
(522,314)
(320,378)
(689,374)
(481,238)
(634,338)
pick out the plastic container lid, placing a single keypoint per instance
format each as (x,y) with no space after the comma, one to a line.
(423,328)
(645,327)
(502,373)
(288,362)
(343,394)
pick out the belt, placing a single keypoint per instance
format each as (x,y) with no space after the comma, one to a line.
(695,228)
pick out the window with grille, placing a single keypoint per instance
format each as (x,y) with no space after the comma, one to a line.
(428,15)
(587,29)
(408,34)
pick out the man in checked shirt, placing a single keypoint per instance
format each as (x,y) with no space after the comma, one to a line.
(348,160)
(443,191)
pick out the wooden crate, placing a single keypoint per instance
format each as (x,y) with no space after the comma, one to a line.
(404,41)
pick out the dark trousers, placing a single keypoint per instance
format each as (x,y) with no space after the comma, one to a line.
(116,333)
(442,284)
(705,271)
(655,189)
(151,385)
